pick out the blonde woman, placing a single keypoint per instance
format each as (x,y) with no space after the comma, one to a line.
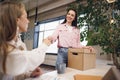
(15,60)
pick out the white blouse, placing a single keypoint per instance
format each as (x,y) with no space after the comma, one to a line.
(22,61)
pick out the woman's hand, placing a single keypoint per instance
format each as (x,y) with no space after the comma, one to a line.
(37,72)
(47,41)
(90,47)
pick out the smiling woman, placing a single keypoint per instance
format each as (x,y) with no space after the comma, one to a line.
(68,36)
(16,61)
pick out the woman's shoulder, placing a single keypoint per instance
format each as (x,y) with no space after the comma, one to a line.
(76,28)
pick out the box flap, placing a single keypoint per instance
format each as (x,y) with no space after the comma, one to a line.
(86,77)
(80,50)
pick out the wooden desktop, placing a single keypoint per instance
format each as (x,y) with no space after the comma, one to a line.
(101,69)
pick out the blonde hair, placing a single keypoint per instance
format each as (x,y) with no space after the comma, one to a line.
(9,12)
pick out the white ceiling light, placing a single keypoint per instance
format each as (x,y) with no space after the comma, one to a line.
(111,1)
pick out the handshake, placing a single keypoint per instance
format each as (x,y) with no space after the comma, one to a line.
(48,40)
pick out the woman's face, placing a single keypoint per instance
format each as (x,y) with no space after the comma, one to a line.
(70,16)
(22,22)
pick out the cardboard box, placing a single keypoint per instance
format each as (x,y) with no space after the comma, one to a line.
(86,77)
(112,74)
(81,59)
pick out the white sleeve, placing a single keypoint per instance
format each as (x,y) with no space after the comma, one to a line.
(19,62)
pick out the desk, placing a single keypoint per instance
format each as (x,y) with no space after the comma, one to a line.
(101,69)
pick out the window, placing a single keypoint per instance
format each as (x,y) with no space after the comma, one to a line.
(46,28)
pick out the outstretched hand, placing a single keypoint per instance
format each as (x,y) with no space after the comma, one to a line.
(47,41)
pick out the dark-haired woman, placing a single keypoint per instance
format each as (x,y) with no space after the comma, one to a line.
(68,36)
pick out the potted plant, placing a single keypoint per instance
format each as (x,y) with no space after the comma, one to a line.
(103,25)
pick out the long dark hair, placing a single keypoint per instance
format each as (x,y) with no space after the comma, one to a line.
(74,23)
(9,13)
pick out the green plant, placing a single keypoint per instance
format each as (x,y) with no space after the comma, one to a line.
(103,25)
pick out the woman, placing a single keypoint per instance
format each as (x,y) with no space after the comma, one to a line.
(15,60)
(68,36)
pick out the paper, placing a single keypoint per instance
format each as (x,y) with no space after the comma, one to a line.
(48,77)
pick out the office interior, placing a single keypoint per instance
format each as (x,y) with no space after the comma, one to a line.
(45,12)
(44,16)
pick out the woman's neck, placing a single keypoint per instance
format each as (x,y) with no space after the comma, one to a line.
(15,39)
(67,23)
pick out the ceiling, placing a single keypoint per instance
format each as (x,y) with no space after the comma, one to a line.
(31,4)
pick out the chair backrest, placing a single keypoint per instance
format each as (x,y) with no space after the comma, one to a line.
(86,77)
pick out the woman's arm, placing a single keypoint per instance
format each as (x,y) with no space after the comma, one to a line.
(55,34)
(20,61)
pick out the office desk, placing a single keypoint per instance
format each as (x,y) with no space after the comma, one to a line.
(101,69)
